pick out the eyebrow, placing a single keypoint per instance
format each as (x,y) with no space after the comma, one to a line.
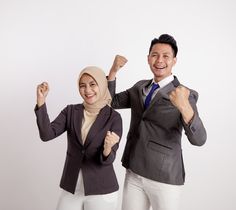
(82,83)
(165,53)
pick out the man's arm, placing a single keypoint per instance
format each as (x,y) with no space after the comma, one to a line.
(120,100)
(185,102)
(118,63)
(179,98)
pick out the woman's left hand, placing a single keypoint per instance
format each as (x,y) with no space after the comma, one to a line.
(110,140)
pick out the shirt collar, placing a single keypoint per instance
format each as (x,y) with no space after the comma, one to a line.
(165,81)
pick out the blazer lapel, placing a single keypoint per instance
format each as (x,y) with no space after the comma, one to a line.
(164,92)
(98,125)
(145,84)
(78,116)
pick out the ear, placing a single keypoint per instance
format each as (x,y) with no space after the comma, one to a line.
(175,60)
(148,58)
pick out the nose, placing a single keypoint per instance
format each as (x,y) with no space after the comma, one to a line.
(87,89)
(159,59)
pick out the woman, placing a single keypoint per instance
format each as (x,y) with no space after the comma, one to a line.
(93,132)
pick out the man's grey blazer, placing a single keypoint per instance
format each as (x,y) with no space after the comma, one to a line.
(153,147)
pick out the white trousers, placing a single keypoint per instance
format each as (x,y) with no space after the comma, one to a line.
(141,193)
(79,201)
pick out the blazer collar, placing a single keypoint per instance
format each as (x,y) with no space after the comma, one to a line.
(98,124)
(145,83)
(78,116)
(162,93)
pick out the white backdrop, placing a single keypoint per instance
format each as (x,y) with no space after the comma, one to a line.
(52,40)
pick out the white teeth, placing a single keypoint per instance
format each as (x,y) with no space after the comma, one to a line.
(88,96)
(159,67)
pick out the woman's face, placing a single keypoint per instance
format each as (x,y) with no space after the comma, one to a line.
(89,89)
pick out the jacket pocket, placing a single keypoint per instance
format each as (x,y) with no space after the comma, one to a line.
(160,148)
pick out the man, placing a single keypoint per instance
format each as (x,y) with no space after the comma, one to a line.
(160,109)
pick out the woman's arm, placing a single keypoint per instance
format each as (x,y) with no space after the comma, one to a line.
(111,142)
(48,130)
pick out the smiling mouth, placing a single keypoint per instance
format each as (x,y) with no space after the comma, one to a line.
(89,96)
(159,68)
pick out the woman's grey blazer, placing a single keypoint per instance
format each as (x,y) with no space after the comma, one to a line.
(153,147)
(98,173)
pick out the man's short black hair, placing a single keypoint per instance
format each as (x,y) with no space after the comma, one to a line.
(165,39)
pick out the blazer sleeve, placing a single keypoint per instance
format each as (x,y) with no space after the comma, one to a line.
(195,130)
(116,127)
(119,100)
(50,130)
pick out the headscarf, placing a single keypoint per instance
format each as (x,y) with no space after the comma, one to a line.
(101,80)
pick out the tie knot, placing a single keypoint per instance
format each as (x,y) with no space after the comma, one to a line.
(154,86)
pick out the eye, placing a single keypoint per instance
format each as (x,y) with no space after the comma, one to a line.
(82,86)
(153,55)
(93,84)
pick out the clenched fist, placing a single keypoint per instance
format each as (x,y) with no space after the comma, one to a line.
(118,63)
(110,140)
(42,92)
(179,98)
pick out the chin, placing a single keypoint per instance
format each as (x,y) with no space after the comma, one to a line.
(158,75)
(90,102)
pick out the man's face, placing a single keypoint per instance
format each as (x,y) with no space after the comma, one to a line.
(161,60)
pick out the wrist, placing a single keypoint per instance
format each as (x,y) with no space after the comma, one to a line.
(111,76)
(187,114)
(106,152)
(40,102)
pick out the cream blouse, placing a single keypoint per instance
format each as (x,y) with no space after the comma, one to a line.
(87,122)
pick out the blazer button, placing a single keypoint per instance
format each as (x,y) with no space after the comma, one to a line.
(83,151)
(192,129)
